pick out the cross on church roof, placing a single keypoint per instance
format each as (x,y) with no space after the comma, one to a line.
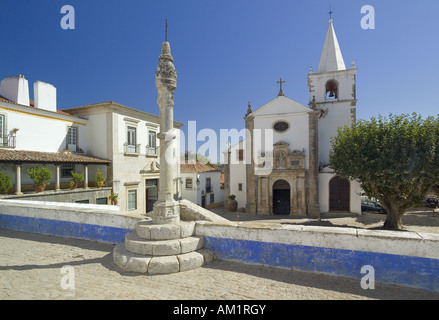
(330,11)
(166,31)
(281,93)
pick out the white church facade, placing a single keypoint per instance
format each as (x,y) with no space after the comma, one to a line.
(291,174)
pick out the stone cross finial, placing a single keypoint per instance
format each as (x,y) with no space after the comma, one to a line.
(330,12)
(166,31)
(249,109)
(281,93)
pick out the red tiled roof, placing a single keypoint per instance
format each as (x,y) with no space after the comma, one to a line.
(48,157)
(195,166)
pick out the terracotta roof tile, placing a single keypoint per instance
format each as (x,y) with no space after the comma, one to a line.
(195,166)
(47,157)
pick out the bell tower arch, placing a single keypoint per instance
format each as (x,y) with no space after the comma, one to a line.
(333,89)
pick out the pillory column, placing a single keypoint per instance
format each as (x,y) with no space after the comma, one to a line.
(166,209)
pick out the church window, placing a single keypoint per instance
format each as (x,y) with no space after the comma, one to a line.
(331,90)
(239,186)
(281,126)
(240,155)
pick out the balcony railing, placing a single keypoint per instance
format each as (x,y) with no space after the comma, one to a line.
(8,141)
(131,148)
(152,151)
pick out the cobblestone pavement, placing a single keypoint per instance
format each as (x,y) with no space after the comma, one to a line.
(31,267)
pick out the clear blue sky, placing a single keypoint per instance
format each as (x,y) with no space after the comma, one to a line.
(226,53)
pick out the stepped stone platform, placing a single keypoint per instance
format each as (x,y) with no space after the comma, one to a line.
(161,249)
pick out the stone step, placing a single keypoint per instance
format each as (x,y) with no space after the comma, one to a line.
(149,231)
(131,262)
(137,245)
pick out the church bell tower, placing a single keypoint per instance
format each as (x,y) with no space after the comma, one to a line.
(333,91)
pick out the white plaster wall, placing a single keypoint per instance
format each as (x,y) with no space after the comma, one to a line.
(339,114)
(190,194)
(238,175)
(297,135)
(40,132)
(15,89)
(44,96)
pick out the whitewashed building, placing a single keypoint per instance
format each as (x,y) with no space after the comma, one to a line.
(201,184)
(128,138)
(34,133)
(291,175)
(119,141)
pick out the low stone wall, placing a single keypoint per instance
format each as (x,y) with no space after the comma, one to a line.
(401,258)
(100,223)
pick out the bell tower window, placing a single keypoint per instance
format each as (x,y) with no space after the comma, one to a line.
(331,90)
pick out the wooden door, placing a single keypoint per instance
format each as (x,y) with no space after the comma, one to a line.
(339,195)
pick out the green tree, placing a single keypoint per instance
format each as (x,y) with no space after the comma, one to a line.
(40,175)
(5,182)
(396,159)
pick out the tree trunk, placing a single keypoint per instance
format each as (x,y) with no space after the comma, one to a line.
(394,220)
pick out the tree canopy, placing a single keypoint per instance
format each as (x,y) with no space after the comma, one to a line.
(396,159)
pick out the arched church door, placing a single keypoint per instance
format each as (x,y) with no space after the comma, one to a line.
(339,195)
(281,197)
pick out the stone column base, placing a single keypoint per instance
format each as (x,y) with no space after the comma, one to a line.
(165,212)
(161,249)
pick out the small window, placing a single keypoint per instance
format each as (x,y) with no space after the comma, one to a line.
(132,199)
(208,185)
(331,90)
(131,136)
(2,126)
(188,183)
(212,198)
(240,155)
(152,143)
(66,170)
(72,138)
(239,186)
(101,201)
(281,126)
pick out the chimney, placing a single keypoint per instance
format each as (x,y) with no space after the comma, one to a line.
(44,96)
(15,89)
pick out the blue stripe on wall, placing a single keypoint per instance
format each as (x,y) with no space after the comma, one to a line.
(64,229)
(394,269)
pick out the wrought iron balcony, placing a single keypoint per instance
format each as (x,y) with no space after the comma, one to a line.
(8,141)
(131,148)
(152,151)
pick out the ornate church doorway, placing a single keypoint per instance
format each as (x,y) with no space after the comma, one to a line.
(339,195)
(281,198)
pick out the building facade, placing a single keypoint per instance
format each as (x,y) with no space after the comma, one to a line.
(35,133)
(282,166)
(128,138)
(201,184)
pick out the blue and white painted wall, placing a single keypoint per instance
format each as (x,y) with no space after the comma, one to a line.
(69,220)
(401,258)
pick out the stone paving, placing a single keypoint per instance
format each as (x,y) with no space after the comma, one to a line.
(33,267)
